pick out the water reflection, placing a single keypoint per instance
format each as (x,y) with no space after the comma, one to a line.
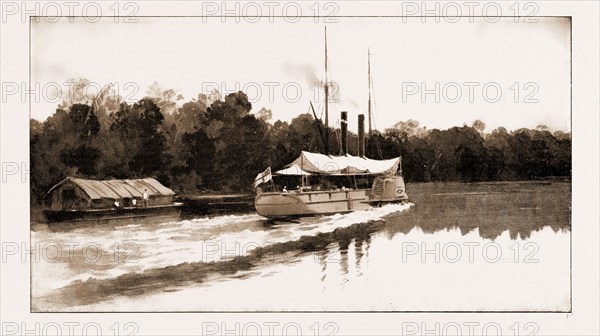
(520,208)
(341,245)
(322,256)
(343,265)
(358,252)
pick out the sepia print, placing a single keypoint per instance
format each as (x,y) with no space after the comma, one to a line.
(194,164)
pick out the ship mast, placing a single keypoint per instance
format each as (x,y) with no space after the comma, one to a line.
(371,140)
(326,101)
(369,78)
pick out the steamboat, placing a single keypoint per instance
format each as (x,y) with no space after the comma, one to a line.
(331,184)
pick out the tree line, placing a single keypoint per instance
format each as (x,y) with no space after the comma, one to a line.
(218,144)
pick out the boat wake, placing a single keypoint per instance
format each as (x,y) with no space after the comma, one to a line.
(174,254)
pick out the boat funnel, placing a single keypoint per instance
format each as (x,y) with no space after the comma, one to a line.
(361,135)
(344,126)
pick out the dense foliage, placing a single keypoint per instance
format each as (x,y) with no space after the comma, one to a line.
(216,143)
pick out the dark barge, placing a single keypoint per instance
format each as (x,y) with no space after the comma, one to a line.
(77,199)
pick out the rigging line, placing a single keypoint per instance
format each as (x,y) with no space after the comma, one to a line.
(326,90)
(373,95)
(369,89)
(322,110)
(333,93)
(374,109)
(310,144)
(338,136)
(332,84)
(318,112)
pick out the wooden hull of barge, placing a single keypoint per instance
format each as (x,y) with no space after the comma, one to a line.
(300,204)
(163,212)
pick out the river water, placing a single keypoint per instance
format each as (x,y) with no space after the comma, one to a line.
(456,247)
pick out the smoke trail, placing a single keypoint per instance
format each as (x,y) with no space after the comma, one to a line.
(312,79)
(305,70)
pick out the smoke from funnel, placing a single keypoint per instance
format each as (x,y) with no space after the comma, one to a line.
(310,76)
(305,70)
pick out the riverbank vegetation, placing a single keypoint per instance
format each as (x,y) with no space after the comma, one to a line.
(215,143)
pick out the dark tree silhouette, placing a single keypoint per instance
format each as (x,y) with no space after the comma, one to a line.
(218,144)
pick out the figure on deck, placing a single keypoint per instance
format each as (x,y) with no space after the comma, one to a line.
(145,197)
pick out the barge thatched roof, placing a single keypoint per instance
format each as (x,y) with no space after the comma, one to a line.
(116,189)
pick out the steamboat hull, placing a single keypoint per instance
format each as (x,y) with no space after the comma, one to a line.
(301,204)
(125,214)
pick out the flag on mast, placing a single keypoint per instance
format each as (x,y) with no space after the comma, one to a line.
(263,177)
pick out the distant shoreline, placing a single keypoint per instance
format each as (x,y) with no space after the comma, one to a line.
(197,202)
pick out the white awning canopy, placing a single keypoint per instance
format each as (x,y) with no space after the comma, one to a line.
(292,170)
(319,164)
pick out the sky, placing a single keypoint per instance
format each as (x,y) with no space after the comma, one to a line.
(504,73)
